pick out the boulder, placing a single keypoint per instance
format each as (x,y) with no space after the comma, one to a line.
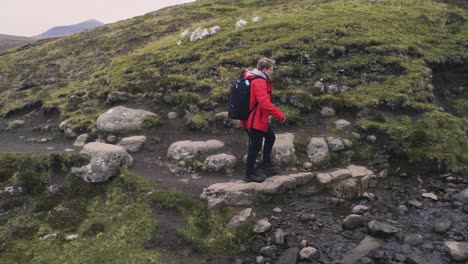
(105,161)
(220,162)
(187,150)
(283,149)
(121,119)
(317,150)
(132,144)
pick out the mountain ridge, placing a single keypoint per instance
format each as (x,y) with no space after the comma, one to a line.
(61,31)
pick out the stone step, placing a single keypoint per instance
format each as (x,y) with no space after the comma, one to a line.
(344,183)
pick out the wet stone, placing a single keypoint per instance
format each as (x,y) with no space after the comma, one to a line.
(360,209)
(399,258)
(442,226)
(415,203)
(413,239)
(289,256)
(306,217)
(380,229)
(268,251)
(402,209)
(353,221)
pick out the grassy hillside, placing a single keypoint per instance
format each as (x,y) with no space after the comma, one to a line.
(403,63)
(9,41)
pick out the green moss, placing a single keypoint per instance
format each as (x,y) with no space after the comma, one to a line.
(437,138)
(15,124)
(151,121)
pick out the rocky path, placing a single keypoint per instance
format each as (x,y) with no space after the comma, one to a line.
(350,214)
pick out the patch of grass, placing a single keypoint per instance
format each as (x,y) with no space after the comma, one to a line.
(113,221)
(435,138)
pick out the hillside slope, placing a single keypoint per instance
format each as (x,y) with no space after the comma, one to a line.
(9,41)
(396,68)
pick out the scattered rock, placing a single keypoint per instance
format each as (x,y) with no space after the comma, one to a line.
(81,140)
(241,218)
(380,229)
(172,115)
(71,237)
(430,196)
(308,253)
(415,203)
(277,210)
(256,19)
(283,149)
(220,162)
(457,250)
(132,144)
(413,239)
(462,196)
(317,150)
(371,138)
(327,112)
(366,245)
(289,256)
(353,221)
(199,34)
(342,124)
(262,226)
(49,236)
(279,236)
(306,217)
(241,23)
(360,209)
(214,30)
(442,226)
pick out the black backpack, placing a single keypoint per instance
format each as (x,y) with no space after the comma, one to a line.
(239,99)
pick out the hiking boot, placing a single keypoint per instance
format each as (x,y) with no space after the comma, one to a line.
(269,168)
(254,177)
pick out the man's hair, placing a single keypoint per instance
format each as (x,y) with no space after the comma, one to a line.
(265,63)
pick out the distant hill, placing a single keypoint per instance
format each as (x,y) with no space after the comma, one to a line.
(9,41)
(61,31)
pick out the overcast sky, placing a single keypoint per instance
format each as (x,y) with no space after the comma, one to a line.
(33,17)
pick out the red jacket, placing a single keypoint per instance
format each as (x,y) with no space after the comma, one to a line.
(261,91)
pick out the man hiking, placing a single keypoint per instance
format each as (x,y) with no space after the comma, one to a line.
(262,108)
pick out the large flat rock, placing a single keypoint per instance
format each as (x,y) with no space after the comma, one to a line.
(241,192)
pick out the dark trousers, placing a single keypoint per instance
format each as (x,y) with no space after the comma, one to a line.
(255,145)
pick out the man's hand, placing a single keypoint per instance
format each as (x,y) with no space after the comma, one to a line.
(283,121)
